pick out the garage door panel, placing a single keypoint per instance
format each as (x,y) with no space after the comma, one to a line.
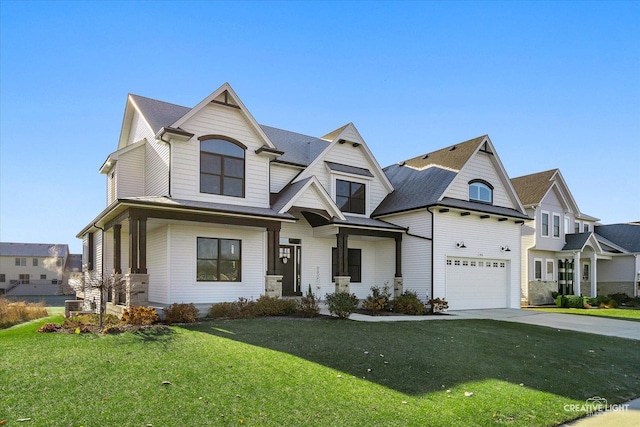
(476,283)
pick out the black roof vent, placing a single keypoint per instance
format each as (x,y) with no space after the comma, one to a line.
(452,148)
(426,156)
(401,163)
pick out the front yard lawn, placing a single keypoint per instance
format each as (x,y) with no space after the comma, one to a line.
(292,372)
(614,313)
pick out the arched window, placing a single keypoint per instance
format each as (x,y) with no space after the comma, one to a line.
(221,166)
(480,191)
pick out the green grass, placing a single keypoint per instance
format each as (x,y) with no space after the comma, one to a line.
(293,372)
(614,313)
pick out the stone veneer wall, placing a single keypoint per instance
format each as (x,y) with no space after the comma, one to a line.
(540,292)
(608,288)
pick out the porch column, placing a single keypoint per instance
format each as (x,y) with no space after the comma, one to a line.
(117,249)
(133,245)
(142,246)
(273,245)
(398,282)
(594,276)
(576,274)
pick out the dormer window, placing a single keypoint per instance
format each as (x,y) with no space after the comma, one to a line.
(480,191)
(221,166)
(350,196)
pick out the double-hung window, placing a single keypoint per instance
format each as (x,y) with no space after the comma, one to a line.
(355,264)
(544,228)
(556,225)
(537,269)
(351,196)
(222,168)
(21,262)
(218,260)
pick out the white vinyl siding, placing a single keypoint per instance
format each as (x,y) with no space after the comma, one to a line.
(182,264)
(480,167)
(281,175)
(552,206)
(130,172)
(310,199)
(416,251)
(157,168)
(157,264)
(185,166)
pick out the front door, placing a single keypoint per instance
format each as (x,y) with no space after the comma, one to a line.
(290,267)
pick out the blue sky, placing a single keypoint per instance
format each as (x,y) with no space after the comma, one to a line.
(554,84)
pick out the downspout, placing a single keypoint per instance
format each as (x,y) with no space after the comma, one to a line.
(432,252)
(169,162)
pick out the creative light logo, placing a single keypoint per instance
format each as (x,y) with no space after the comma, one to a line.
(595,405)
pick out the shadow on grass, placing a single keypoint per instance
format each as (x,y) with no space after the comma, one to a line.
(422,357)
(153,335)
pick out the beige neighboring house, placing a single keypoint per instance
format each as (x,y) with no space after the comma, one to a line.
(562,250)
(34,269)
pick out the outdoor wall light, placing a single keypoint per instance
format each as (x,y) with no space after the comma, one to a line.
(505,249)
(461,245)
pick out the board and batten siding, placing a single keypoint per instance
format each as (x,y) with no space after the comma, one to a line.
(281,175)
(182,264)
(480,167)
(483,239)
(130,173)
(158,264)
(185,162)
(416,251)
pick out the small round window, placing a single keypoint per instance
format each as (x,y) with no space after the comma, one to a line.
(480,192)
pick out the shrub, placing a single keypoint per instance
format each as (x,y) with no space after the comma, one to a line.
(308,305)
(181,313)
(554,295)
(561,301)
(247,308)
(342,304)
(12,313)
(112,330)
(438,305)
(224,310)
(269,306)
(138,315)
(619,298)
(378,300)
(408,303)
(574,301)
(49,327)
(609,304)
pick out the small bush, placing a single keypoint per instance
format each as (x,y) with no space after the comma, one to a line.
(561,301)
(575,301)
(247,308)
(619,298)
(224,310)
(342,304)
(181,313)
(268,306)
(438,305)
(111,330)
(308,306)
(609,304)
(408,303)
(378,300)
(138,315)
(554,295)
(49,327)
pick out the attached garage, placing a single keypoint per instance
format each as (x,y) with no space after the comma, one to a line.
(473,283)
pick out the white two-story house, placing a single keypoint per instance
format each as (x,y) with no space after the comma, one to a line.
(206,205)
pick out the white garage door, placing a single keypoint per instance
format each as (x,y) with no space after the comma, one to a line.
(476,283)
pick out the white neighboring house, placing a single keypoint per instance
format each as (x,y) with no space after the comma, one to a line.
(621,273)
(463,221)
(33,268)
(560,247)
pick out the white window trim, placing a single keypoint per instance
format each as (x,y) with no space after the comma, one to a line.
(353,178)
(552,224)
(553,269)
(587,270)
(548,223)
(542,265)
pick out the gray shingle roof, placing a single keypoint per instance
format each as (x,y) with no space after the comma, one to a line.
(279,200)
(575,242)
(452,157)
(33,249)
(532,188)
(349,169)
(626,236)
(159,113)
(366,222)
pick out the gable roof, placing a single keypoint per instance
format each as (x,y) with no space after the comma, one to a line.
(33,249)
(532,188)
(158,114)
(626,236)
(422,181)
(286,198)
(576,242)
(298,149)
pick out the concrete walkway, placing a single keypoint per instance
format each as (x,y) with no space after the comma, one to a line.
(624,415)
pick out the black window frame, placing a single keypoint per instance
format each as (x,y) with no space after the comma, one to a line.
(354,267)
(222,159)
(484,183)
(219,260)
(348,205)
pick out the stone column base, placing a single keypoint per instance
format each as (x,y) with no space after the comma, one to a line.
(343,283)
(398,286)
(273,286)
(137,289)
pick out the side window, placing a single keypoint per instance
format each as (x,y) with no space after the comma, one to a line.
(218,260)
(355,264)
(544,227)
(350,196)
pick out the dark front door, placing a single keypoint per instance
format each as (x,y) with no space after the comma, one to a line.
(287,263)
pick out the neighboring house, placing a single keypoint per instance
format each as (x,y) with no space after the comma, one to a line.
(622,272)
(559,248)
(463,221)
(205,205)
(32,268)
